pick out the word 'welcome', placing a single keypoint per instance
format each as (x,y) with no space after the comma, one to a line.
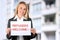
(19,29)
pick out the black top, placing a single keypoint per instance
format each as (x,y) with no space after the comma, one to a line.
(25,37)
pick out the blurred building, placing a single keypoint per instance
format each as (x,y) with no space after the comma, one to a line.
(45,15)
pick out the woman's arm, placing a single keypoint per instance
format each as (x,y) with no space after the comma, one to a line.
(8,30)
(33,33)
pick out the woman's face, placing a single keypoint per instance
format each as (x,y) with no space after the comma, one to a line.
(22,10)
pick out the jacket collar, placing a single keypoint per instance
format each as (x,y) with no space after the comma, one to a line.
(22,18)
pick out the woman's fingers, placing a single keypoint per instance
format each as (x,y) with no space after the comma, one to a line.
(33,30)
(8,30)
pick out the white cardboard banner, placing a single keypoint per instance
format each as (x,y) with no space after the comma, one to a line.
(20,28)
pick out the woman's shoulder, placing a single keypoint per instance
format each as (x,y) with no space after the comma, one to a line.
(11,19)
(29,19)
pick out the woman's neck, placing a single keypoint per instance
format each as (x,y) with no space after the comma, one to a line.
(19,16)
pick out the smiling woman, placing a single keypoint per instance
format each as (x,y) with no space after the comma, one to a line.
(21,14)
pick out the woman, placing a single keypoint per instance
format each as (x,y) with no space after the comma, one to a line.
(21,14)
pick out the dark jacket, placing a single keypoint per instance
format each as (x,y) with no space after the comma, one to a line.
(25,37)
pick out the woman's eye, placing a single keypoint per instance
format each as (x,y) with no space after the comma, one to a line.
(24,9)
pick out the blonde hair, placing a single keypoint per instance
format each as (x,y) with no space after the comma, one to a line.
(16,10)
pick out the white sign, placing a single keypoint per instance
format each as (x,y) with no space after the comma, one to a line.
(20,28)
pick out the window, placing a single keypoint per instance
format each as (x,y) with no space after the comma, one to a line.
(50,18)
(15,2)
(50,3)
(36,9)
(50,35)
(37,24)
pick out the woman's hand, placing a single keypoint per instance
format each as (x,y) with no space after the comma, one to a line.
(8,30)
(33,31)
